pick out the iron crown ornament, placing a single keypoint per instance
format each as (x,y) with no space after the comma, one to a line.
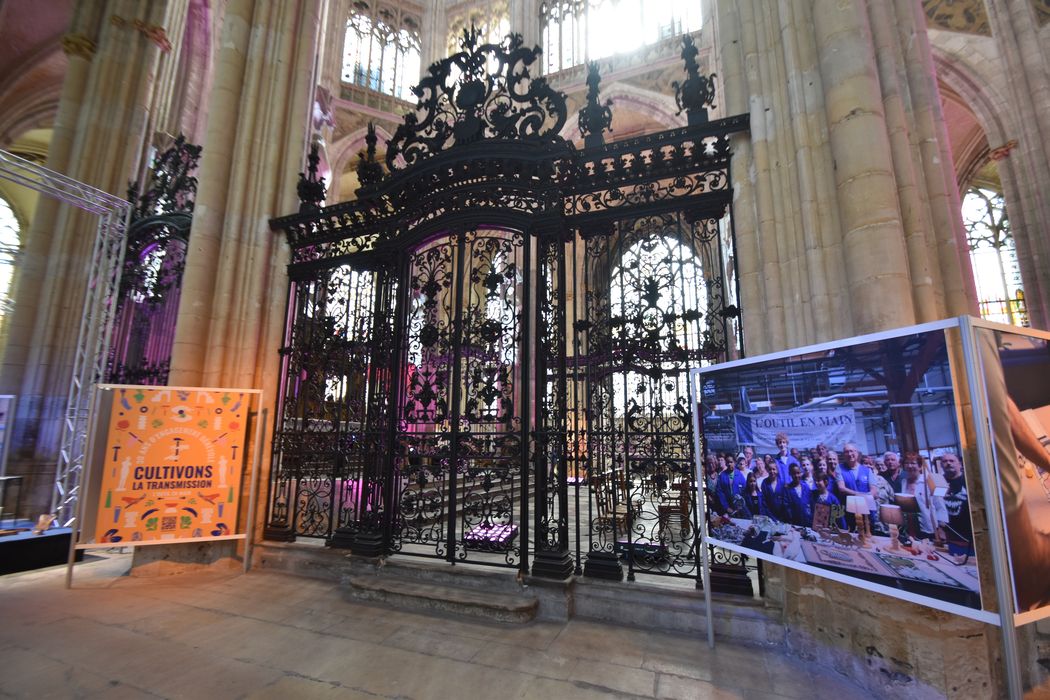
(697,92)
(311,187)
(595,118)
(485,91)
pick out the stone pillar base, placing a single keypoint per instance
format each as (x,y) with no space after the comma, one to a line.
(185,557)
(556,565)
(603,565)
(278,533)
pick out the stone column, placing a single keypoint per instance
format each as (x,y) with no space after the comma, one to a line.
(1025,53)
(234,289)
(330,68)
(234,281)
(847,222)
(114,48)
(846,208)
(525,20)
(875,254)
(433,35)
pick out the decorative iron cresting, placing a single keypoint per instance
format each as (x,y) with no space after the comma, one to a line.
(311,187)
(485,91)
(369,171)
(172,185)
(697,92)
(154,260)
(487,350)
(595,118)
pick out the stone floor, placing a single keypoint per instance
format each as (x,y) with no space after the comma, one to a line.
(270,635)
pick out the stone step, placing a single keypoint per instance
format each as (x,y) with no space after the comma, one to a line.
(411,594)
(439,573)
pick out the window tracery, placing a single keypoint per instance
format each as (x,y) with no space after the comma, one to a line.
(993,255)
(491,20)
(382,46)
(575,31)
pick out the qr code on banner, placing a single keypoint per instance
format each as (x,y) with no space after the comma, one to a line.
(168,522)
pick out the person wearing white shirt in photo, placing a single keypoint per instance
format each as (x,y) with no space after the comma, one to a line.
(933,513)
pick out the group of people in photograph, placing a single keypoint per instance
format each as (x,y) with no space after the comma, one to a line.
(788,485)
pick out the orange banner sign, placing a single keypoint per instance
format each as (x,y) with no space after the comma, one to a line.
(172,468)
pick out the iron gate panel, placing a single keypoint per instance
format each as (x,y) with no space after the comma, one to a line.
(331,423)
(655,301)
(515,388)
(458,455)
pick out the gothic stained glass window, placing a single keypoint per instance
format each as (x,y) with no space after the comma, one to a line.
(993,256)
(381,51)
(576,31)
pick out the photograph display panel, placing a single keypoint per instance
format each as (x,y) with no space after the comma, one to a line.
(1016,368)
(845,462)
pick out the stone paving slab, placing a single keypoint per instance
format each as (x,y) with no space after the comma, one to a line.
(273,635)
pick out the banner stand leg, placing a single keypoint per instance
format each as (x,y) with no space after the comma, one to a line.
(701,505)
(249,541)
(1000,560)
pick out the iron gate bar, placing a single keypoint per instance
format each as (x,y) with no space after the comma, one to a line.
(457,392)
(526,396)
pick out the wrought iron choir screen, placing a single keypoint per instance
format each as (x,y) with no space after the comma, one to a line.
(486,352)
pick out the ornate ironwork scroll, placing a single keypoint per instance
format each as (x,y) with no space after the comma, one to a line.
(485,91)
(457,465)
(144,324)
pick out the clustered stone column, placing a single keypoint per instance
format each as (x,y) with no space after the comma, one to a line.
(1024,50)
(114,50)
(847,222)
(847,215)
(233,289)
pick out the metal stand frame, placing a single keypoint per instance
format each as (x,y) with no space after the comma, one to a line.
(1004,588)
(92,420)
(96,323)
(701,504)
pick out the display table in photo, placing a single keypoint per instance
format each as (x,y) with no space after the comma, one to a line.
(921,568)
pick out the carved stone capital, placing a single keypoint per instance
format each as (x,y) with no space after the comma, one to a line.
(78,45)
(1003,151)
(155,33)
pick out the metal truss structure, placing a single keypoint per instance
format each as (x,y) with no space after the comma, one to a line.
(96,323)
